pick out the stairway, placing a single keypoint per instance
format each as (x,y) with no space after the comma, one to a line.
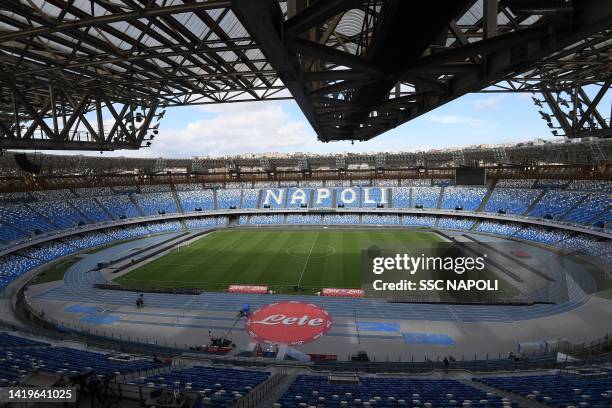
(534,202)
(45,217)
(522,401)
(278,391)
(486,197)
(582,200)
(177,202)
(135,202)
(77,209)
(440,197)
(439,203)
(110,215)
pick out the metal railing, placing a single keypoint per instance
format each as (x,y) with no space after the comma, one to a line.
(260,392)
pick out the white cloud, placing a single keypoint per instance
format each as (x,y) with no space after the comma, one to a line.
(234,128)
(456,120)
(487,103)
(241,107)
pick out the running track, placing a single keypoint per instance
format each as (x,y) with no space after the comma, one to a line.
(78,286)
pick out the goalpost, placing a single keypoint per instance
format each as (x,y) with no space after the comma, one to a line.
(179,246)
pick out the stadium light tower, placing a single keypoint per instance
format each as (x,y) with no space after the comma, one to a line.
(583,113)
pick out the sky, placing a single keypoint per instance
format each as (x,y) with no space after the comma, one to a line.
(280,126)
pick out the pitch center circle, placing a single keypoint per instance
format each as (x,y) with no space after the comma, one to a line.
(311,251)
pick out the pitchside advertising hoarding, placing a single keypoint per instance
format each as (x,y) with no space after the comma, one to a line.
(252,289)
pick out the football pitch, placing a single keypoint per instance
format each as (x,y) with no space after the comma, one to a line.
(279,258)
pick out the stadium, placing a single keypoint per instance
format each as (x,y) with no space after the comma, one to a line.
(473,276)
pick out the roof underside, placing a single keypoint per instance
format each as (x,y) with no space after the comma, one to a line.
(356,68)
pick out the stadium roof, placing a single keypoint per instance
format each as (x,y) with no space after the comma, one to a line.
(356,68)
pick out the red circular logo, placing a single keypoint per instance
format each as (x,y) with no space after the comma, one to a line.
(291,323)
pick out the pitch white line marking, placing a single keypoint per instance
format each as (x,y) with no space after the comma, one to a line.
(308,258)
(330,251)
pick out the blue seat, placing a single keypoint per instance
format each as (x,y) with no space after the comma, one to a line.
(384,392)
(557,390)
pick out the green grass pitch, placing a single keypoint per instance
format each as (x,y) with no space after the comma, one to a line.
(279,258)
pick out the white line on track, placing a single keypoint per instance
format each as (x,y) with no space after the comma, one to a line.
(308,258)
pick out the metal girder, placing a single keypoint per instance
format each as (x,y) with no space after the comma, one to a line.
(317,14)
(397,20)
(77,132)
(85,57)
(574,114)
(46,144)
(440,56)
(264,21)
(490,12)
(356,68)
(337,57)
(111,18)
(35,115)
